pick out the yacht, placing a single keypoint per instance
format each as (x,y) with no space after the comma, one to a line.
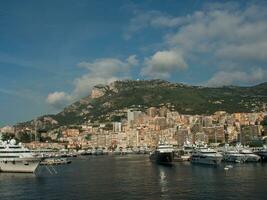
(16,158)
(163,154)
(250,156)
(234,156)
(204,155)
(262,152)
(187,151)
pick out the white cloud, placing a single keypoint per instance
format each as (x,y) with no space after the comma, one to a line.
(166,21)
(154,19)
(105,67)
(132,60)
(223,78)
(220,37)
(58,99)
(255,52)
(225,34)
(162,64)
(100,71)
(139,22)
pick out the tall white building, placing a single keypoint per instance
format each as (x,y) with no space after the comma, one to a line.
(132,115)
(117,126)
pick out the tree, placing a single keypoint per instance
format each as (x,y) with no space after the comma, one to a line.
(7,136)
(88,137)
(24,137)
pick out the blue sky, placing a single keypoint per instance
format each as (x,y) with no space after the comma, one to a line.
(53,52)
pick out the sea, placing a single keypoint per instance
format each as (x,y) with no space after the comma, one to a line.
(135,177)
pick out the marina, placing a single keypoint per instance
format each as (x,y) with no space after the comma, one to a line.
(167,171)
(16,158)
(134,176)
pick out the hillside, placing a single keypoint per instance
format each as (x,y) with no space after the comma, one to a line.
(109,102)
(109,99)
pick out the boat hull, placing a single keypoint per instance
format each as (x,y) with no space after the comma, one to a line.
(263,155)
(162,158)
(235,158)
(206,160)
(252,158)
(19,165)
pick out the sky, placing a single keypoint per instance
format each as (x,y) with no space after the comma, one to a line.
(53,52)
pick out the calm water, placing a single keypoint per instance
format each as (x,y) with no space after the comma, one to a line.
(134,177)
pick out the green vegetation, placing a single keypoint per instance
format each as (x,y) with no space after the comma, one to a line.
(88,137)
(179,97)
(7,136)
(20,137)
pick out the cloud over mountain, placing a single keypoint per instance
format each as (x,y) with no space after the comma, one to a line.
(223,78)
(162,64)
(100,71)
(226,38)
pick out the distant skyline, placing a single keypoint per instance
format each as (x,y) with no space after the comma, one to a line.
(53,52)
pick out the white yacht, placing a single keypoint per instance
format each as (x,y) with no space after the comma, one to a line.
(204,155)
(16,158)
(187,150)
(234,156)
(262,152)
(250,156)
(163,154)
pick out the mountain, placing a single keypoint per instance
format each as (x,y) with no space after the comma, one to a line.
(110,102)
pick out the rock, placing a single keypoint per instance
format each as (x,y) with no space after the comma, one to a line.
(98,91)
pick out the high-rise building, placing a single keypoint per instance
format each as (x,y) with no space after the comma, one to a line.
(117,127)
(132,115)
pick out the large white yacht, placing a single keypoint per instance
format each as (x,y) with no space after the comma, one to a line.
(250,156)
(163,154)
(16,158)
(204,155)
(262,152)
(234,156)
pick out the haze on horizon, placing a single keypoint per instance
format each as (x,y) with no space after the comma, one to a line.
(53,52)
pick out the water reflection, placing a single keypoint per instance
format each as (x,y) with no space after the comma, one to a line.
(6,176)
(163,181)
(135,177)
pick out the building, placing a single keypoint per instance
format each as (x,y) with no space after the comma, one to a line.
(132,115)
(117,126)
(152,111)
(214,134)
(249,133)
(71,132)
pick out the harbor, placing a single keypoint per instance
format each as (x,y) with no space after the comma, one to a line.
(17,158)
(133,177)
(191,172)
